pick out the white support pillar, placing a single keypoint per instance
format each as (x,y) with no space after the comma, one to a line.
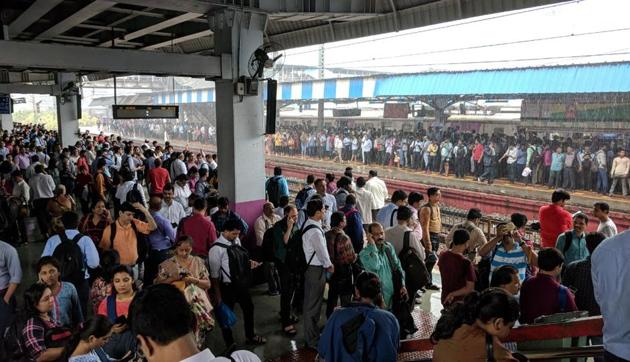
(6,122)
(67,110)
(240,129)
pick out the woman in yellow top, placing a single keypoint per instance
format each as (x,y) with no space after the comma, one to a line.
(188,273)
(465,329)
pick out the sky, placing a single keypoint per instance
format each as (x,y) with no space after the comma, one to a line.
(584,27)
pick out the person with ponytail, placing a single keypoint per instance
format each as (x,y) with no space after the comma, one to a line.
(362,330)
(86,344)
(471,330)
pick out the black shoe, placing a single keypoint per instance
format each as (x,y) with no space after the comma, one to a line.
(432,287)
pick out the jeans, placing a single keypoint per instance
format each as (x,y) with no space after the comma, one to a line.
(511,169)
(609,357)
(7,311)
(489,173)
(624,185)
(431,258)
(569,178)
(602,180)
(555,179)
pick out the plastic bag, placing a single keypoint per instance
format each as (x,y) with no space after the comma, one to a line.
(526,172)
(225,316)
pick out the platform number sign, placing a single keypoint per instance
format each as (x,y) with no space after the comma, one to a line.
(5,104)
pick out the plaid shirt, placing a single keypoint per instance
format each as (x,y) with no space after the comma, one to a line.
(33,336)
(577,276)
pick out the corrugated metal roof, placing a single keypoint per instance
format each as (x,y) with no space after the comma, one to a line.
(600,78)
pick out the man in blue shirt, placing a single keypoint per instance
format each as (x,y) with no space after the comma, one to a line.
(161,241)
(375,331)
(611,271)
(281,186)
(10,278)
(70,222)
(354,223)
(386,216)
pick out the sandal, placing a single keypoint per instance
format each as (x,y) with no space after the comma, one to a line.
(289,330)
(257,340)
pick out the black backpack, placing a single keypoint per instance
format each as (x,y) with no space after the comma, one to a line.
(124,165)
(301,196)
(295,259)
(70,258)
(11,342)
(461,152)
(268,250)
(568,240)
(134,195)
(240,269)
(142,244)
(273,190)
(416,274)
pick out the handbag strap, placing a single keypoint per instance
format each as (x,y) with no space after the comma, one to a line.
(489,348)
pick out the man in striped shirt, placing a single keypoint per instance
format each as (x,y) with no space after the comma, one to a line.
(504,250)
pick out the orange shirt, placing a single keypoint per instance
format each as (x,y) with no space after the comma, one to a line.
(125,241)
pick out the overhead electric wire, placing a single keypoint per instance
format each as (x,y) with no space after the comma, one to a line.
(496,61)
(447,26)
(555,37)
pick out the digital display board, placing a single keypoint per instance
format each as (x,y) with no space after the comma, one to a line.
(144,112)
(5,104)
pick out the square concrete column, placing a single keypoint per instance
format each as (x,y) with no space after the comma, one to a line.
(67,110)
(240,125)
(6,122)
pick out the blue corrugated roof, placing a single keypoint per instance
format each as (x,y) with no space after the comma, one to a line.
(600,78)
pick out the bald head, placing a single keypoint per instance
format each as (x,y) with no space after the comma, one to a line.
(155,203)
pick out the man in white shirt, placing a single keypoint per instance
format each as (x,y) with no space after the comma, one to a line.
(226,289)
(129,183)
(366,148)
(42,186)
(329,201)
(365,201)
(182,192)
(163,324)
(172,211)
(606,225)
(386,216)
(318,264)
(178,167)
(378,188)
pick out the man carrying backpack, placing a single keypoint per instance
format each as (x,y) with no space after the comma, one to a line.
(75,253)
(276,187)
(305,192)
(264,245)
(461,160)
(230,272)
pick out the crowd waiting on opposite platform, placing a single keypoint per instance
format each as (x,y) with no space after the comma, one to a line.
(525,157)
(143,257)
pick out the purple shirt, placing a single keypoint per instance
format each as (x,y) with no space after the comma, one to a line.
(22,161)
(164,236)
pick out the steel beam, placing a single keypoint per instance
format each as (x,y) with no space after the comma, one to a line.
(93,59)
(34,12)
(178,40)
(26,89)
(80,16)
(153,28)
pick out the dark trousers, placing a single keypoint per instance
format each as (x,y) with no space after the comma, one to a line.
(333,296)
(83,291)
(568,178)
(288,284)
(489,173)
(609,357)
(41,213)
(314,284)
(273,277)
(230,296)
(460,167)
(431,258)
(151,265)
(7,311)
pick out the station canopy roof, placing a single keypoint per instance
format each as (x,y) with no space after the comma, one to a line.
(181,26)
